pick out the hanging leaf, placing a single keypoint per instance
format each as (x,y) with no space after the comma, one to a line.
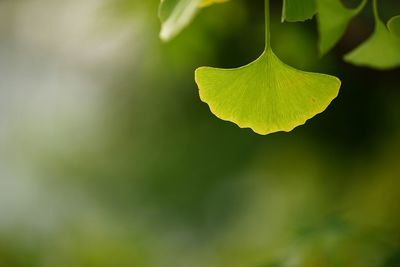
(298,10)
(266,95)
(205,3)
(394,25)
(380,51)
(333,18)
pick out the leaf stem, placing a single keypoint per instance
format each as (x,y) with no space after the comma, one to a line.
(267,26)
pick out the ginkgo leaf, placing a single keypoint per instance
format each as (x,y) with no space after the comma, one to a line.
(394,25)
(333,18)
(298,10)
(266,95)
(381,50)
(205,3)
(176,15)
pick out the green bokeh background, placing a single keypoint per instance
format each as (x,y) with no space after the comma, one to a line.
(108,157)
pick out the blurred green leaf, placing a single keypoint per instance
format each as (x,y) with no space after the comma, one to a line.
(176,15)
(380,51)
(333,18)
(394,25)
(298,10)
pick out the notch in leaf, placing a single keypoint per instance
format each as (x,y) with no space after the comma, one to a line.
(381,50)
(333,18)
(267,95)
(394,25)
(298,10)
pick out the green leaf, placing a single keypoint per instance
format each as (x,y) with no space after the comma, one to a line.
(267,95)
(176,15)
(298,10)
(380,51)
(333,18)
(394,25)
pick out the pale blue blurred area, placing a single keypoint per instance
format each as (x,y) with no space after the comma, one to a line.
(109,158)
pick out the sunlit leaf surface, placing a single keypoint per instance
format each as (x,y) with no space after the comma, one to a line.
(333,19)
(380,51)
(298,10)
(267,95)
(176,15)
(394,25)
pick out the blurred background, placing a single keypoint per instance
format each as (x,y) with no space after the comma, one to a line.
(108,157)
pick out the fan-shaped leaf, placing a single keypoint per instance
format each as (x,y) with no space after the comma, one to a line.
(394,25)
(333,18)
(380,51)
(267,95)
(298,10)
